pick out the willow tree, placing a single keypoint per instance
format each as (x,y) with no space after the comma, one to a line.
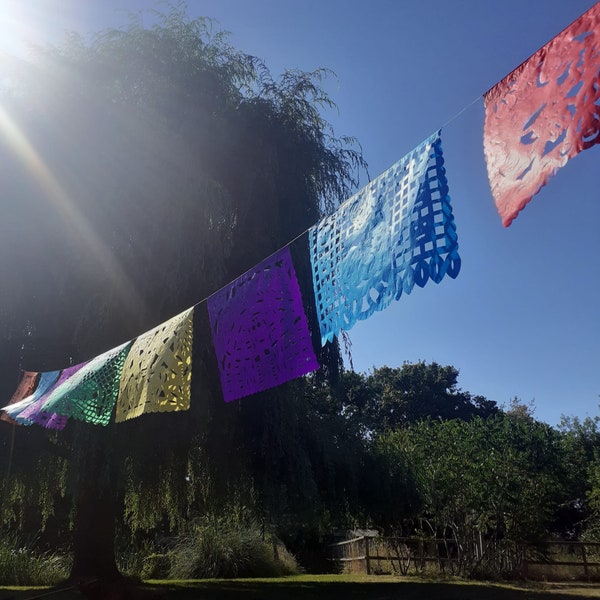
(143,170)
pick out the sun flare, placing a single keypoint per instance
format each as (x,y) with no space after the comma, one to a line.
(56,195)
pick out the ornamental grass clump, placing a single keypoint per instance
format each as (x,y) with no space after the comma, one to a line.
(216,547)
(22,564)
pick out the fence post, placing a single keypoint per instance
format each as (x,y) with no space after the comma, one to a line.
(367,558)
(585,564)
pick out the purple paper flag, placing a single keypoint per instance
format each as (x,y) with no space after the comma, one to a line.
(260,332)
(50,420)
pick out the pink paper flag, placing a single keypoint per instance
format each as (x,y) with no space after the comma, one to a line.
(542,114)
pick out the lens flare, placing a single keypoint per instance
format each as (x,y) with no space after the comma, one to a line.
(60,200)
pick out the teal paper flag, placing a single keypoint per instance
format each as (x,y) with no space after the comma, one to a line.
(91,393)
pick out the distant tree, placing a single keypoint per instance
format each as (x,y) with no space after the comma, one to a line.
(391,495)
(592,524)
(141,172)
(520,410)
(388,398)
(580,512)
(484,481)
(372,407)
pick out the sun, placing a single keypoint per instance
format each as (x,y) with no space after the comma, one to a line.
(24,23)
(15,27)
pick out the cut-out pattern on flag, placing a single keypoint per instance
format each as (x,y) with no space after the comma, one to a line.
(395,232)
(260,332)
(47,380)
(90,394)
(34,413)
(24,389)
(542,114)
(157,374)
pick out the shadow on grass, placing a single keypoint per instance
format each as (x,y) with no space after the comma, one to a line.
(295,589)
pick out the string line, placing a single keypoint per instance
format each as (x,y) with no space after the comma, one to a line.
(444,126)
(448,122)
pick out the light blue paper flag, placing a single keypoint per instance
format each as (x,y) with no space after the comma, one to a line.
(395,232)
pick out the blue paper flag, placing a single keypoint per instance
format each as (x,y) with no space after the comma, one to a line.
(395,232)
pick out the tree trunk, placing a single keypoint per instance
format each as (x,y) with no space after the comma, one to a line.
(94,537)
(95,512)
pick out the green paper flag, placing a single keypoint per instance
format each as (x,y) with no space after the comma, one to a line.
(91,393)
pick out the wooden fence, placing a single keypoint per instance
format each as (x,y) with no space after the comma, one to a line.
(563,560)
(550,560)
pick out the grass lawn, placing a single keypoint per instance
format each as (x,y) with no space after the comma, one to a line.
(336,587)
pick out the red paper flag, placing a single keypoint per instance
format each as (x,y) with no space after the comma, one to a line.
(24,389)
(542,114)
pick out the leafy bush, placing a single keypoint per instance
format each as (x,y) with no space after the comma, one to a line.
(222,547)
(21,564)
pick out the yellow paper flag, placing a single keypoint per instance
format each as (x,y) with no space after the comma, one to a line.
(157,374)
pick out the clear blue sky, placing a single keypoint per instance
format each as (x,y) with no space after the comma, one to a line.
(522,318)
